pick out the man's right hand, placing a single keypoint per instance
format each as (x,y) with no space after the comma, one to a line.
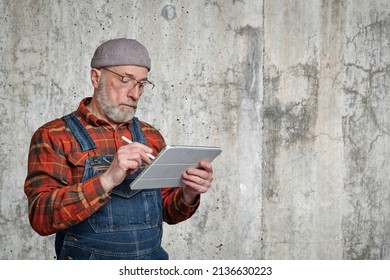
(127,161)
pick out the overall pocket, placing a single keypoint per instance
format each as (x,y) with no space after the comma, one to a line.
(141,210)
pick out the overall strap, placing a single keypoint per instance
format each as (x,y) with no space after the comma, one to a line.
(136,131)
(80,132)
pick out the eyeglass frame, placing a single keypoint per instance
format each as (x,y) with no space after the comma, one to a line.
(138,83)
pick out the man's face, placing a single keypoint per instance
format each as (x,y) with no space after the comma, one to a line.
(118,100)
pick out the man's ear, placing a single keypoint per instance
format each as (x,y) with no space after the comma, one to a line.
(95,77)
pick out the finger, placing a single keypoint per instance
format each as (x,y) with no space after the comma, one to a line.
(195,180)
(126,163)
(197,188)
(205,175)
(138,146)
(205,165)
(135,152)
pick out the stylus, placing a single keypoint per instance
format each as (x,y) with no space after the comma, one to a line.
(128,141)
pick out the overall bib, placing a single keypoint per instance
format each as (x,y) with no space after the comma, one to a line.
(128,227)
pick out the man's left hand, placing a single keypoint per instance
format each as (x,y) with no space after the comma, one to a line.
(197,181)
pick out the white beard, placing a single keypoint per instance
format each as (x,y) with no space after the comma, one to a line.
(115,113)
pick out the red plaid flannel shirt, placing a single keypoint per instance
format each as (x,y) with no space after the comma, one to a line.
(57,199)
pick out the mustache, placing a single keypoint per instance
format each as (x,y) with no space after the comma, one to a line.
(129,104)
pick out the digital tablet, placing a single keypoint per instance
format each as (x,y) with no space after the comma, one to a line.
(167,168)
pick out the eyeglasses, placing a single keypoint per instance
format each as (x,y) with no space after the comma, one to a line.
(132,83)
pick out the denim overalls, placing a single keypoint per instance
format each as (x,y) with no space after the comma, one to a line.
(129,226)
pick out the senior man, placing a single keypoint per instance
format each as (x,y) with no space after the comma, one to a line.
(79,168)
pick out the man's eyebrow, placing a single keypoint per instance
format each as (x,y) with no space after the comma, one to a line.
(133,77)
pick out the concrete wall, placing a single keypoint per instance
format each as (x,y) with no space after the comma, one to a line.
(295,92)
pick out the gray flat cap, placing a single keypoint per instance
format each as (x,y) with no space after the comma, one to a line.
(121,51)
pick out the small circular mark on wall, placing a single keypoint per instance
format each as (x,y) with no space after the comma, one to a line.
(168,11)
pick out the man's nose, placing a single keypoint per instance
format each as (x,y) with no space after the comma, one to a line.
(135,92)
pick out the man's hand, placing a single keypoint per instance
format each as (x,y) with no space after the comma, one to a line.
(127,160)
(197,180)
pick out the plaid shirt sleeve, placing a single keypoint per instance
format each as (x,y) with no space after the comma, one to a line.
(55,202)
(175,210)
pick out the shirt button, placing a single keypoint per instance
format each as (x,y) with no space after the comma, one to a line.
(101,200)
